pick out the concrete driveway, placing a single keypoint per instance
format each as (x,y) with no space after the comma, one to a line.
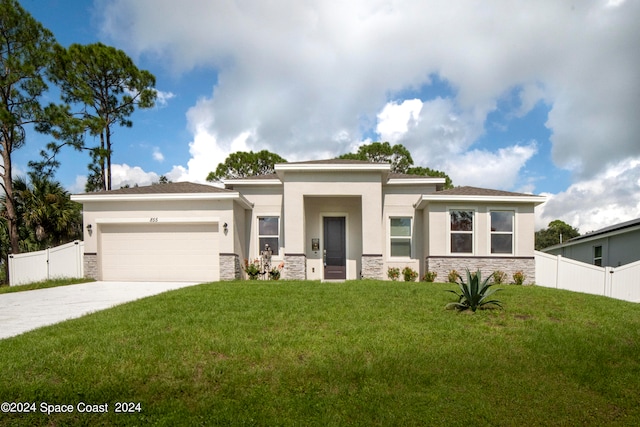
(24,311)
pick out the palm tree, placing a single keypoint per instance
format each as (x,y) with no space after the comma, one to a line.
(47,215)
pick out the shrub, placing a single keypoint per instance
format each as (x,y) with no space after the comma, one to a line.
(430,276)
(453,276)
(409,274)
(519,277)
(474,294)
(252,269)
(393,273)
(274,274)
(499,277)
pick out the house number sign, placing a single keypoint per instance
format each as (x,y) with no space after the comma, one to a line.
(153,219)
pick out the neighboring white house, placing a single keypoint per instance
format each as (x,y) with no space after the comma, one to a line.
(611,246)
(331,219)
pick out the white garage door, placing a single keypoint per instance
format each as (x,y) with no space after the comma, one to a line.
(160,252)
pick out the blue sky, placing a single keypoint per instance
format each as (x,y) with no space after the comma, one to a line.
(538,97)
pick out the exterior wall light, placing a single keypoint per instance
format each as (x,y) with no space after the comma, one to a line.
(225,228)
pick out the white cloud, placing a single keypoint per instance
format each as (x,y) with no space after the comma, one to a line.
(162,98)
(395,119)
(78,185)
(481,168)
(610,197)
(123,174)
(157,155)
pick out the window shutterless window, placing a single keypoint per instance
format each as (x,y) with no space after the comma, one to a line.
(461,230)
(502,232)
(400,237)
(269,233)
(597,256)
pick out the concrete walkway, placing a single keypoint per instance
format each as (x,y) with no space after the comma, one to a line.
(24,311)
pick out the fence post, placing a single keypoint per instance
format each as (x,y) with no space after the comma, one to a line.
(608,281)
(10,267)
(47,260)
(79,272)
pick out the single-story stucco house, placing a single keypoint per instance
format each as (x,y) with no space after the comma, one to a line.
(331,219)
(612,246)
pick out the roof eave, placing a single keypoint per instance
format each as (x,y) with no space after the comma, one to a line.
(163,197)
(249,181)
(415,181)
(424,200)
(585,238)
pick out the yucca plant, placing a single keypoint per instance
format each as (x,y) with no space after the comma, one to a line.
(474,294)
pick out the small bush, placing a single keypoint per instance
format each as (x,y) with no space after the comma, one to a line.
(409,274)
(252,269)
(430,276)
(519,277)
(393,273)
(453,276)
(499,277)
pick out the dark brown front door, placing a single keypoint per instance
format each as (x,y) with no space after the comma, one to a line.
(335,253)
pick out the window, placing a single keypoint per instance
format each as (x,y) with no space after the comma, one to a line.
(269,233)
(461,231)
(597,256)
(400,234)
(502,232)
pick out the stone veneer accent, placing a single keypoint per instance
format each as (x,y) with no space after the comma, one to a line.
(372,266)
(90,265)
(229,267)
(487,265)
(295,267)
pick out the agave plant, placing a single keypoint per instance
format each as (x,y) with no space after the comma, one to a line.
(474,294)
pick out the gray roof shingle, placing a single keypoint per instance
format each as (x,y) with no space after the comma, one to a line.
(476,191)
(168,188)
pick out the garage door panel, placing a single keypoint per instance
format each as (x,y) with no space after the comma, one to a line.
(161,252)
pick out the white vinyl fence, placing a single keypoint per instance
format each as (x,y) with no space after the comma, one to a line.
(53,263)
(555,271)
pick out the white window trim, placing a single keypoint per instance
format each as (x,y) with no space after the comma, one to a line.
(474,239)
(491,233)
(410,238)
(280,256)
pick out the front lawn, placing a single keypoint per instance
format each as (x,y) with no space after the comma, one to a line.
(354,353)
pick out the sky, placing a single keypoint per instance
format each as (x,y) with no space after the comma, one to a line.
(537,96)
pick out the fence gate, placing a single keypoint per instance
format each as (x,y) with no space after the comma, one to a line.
(52,263)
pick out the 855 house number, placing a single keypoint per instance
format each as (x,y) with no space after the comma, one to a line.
(153,219)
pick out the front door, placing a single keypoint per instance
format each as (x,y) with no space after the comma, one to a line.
(335,252)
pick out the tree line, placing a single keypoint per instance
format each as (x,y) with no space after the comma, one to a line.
(244,164)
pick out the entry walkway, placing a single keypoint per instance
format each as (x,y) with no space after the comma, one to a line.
(24,311)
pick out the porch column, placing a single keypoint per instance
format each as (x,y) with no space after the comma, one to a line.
(295,260)
(373,231)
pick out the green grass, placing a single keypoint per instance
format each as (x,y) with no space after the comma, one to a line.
(355,353)
(6,289)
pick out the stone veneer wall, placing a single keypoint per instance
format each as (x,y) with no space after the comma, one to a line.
(372,267)
(295,267)
(487,265)
(90,261)
(229,267)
